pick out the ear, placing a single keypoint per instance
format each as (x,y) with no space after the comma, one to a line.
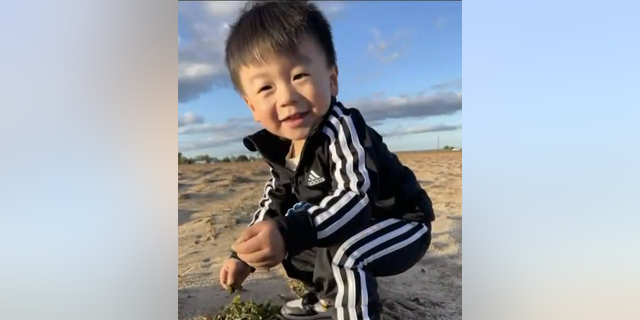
(333,80)
(251,107)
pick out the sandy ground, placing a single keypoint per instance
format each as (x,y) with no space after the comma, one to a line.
(217,201)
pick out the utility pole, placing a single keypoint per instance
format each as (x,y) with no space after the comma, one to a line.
(438,142)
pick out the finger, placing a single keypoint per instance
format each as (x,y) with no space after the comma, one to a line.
(249,246)
(232,275)
(264,265)
(231,281)
(256,257)
(247,234)
(224,273)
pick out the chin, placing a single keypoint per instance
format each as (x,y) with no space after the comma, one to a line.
(297,134)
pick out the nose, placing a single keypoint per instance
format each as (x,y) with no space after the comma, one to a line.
(287,96)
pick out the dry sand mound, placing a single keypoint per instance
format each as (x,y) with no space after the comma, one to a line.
(218,200)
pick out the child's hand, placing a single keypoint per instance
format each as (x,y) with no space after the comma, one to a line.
(261,245)
(233,273)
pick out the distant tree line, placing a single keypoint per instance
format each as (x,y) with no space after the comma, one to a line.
(205,158)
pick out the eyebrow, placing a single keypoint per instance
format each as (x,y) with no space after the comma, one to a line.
(304,59)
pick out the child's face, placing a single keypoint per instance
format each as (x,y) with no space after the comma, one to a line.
(288,96)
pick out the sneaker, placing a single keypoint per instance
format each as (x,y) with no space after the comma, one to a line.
(307,307)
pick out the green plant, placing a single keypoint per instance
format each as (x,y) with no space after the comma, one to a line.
(246,310)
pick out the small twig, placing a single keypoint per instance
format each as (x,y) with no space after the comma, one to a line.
(185,273)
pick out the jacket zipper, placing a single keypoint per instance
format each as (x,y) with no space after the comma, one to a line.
(296,172)
(311,136)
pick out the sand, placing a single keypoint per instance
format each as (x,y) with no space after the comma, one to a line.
(216,201)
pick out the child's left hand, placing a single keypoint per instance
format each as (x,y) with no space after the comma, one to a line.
(261,245)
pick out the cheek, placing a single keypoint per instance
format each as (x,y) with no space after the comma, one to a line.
(320,92)
(265,113)
(323,94)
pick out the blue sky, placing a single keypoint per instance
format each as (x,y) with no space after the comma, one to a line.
(400,63)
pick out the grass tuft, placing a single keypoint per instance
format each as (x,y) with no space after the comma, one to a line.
(246,310)
(297,287)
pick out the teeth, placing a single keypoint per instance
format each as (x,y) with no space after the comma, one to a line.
(294,116)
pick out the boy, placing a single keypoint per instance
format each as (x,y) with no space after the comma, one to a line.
(339,209)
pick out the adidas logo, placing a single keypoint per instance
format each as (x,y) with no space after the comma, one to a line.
(314,179)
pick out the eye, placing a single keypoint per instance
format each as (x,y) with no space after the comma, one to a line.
(300,76)
(264,88)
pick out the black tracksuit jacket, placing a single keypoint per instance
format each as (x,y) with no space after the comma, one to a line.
(345,177)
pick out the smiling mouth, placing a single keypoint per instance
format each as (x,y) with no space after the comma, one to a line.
(296,116)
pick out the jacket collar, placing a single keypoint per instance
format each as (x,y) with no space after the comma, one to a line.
(274,148)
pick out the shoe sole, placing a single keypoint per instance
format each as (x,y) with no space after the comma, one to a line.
(294,317)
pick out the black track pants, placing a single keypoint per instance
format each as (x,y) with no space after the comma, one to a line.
(345,274)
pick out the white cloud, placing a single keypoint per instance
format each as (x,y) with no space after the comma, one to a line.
(220,135)
(387,50)
(242,125)
(453,85)
(196,70)
(201,47)
(189,118)
(331,8)
(401,131)
(210,143)
(224,8)
(377,109)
